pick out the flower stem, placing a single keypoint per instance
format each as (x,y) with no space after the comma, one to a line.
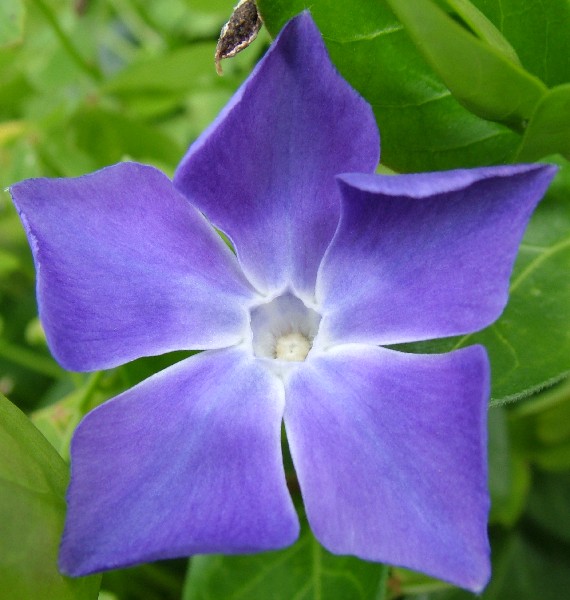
(82,407)
(30,360)
(87,392)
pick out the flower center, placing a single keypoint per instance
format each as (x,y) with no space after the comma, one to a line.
(292,346)
(284,329)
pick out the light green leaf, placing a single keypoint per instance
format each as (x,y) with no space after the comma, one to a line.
(481,78)
(9,262)
(483,28)
(109,137)
(538,30)
(33,479)
(12,14)
(548,131)
(422,126)
(180,70)
(304,571)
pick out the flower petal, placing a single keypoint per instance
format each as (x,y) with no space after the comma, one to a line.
(187,462)
(264,171)
(390,451)
(127,268)
(433,252)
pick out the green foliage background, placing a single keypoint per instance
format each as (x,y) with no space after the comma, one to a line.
(453,83)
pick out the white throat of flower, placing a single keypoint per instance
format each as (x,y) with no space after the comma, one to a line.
(283,329)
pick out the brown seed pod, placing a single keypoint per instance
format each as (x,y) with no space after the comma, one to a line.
(238,32)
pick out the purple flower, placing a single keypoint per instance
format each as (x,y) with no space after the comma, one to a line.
(389,447)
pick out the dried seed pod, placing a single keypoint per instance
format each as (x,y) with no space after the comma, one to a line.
(238,32)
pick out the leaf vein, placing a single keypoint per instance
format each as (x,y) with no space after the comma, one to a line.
(366,37)
(239,593)
(536,262)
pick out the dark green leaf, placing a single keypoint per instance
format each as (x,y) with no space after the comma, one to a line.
(548,131)
(509,478)
(33,479)
(480,77)
(549,503)
(422,126)
(304,571)
(526,566)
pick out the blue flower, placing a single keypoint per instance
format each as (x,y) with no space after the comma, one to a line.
(332,264)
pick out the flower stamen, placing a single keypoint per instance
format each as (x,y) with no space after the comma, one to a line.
(292,347)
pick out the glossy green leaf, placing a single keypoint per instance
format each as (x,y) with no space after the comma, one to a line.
(548,131)
(483,28)
(539,32)
(33,479)
(541,403)
(422,126)
(11,21)
(305,571)
(480,77)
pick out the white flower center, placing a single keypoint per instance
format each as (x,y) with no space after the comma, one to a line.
(292,346)
(284,329)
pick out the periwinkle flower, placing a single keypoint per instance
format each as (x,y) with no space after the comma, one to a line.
(389,447)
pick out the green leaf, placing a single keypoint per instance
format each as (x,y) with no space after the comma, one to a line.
(109,137)
(483,28)
(553,425)
(538,30)
(422,126)
(509,478)
(304,571)
(549,503)
(548,131)
(12,14)
(180,70)
(33,479)
(539,428)
(480,77)
(57,421)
